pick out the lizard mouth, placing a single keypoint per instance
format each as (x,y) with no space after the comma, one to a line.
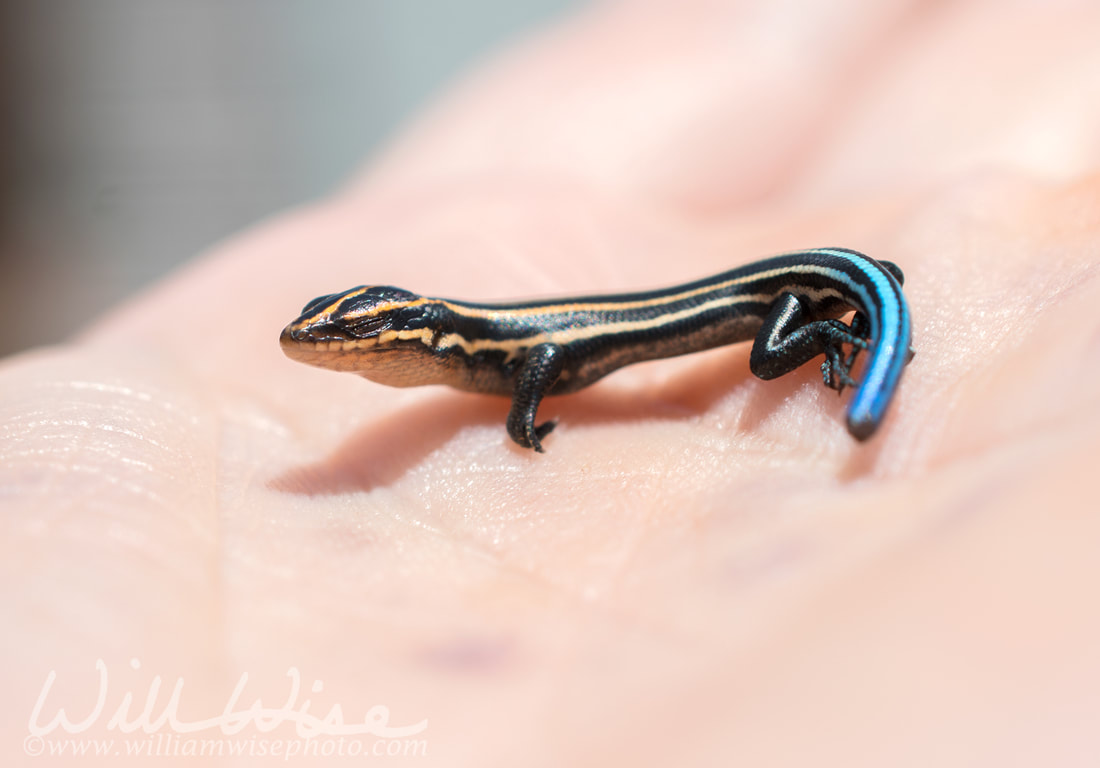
(323,348)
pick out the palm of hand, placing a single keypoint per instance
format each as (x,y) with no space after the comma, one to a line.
(702,562)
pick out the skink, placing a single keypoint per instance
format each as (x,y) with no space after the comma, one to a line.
(788,304)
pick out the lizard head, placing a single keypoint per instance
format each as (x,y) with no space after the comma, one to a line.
(380,332)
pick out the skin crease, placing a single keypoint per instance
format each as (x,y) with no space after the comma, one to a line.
(704,568)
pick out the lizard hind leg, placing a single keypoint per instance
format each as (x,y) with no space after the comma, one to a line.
(788,339)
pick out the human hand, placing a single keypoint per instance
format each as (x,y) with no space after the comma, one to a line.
(703,567)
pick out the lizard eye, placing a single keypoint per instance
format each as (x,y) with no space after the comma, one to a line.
(365,326)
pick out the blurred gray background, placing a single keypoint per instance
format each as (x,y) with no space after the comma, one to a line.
(135,133)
